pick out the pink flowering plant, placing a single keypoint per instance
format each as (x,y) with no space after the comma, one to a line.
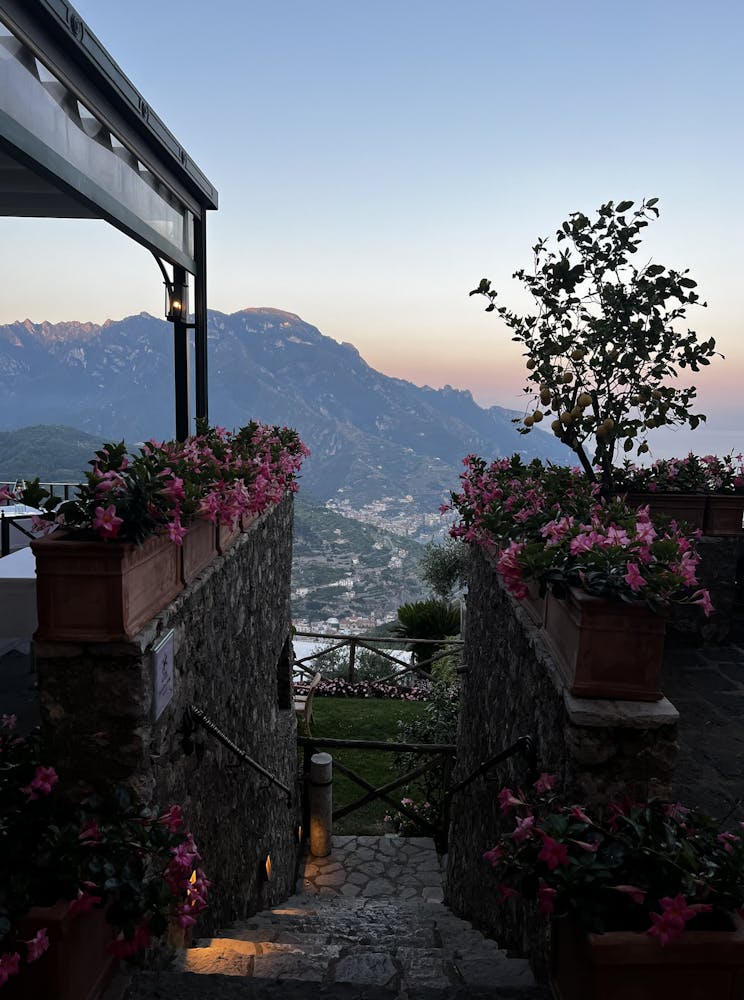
(617,553)
(653,867)
(692,474)
(89,852)
(215,475)
(505,499)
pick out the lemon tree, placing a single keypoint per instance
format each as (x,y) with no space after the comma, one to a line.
(607,340)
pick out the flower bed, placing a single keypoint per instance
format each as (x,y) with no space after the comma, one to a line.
(341,688)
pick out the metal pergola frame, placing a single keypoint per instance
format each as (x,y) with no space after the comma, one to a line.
(94,130)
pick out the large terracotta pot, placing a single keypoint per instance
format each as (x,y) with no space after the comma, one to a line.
(606,649)
(621,965)
(226,535)
(534,603)
(102,591)
(198,549)
(75,967)
(688,507)
(724,513)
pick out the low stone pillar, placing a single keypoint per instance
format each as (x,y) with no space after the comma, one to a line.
(321,804)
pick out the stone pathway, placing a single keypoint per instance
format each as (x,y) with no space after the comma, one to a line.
(366,923)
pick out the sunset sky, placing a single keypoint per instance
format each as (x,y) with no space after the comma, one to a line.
(375,160)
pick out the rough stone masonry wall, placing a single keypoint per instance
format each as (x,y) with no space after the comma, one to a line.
(600,750)
(232,626)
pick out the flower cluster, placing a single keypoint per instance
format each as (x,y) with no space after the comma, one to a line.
(507,500)
(216,475)
(617,553)
(91,852)
(693,474)
(404,825)
(652,866)
(339,687)
(549,525)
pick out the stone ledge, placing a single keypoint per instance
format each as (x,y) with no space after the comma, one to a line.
(611,713)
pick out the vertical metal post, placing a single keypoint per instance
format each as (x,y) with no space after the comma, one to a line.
(4,535)
(352,659)
(200,318)
(181,365)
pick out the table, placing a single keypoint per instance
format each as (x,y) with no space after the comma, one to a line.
(21,532)
(18,595)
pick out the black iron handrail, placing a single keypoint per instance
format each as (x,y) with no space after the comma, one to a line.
(195,716)
(525,746)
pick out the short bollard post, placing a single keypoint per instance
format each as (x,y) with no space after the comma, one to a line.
(321,804)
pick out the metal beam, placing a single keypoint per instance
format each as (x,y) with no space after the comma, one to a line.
(200,319)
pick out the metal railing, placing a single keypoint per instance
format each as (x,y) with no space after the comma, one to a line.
(372,643)
(195,717)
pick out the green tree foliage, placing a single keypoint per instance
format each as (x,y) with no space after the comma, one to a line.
(432,619)
(444,567)
(604,346)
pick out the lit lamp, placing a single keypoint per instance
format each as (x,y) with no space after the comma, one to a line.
(176,302)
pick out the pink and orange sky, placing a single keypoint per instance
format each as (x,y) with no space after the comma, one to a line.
(374,161)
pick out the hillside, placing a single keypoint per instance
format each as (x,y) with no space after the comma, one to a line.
(371,436)
(342,568)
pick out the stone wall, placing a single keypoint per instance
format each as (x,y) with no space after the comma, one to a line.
(599,749)
(232,628)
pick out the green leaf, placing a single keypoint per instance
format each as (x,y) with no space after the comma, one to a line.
(624,206)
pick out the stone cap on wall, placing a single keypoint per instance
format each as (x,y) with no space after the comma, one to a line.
(606,713)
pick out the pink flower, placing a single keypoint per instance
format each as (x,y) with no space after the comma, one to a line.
(523,829)
(176,530)
(43,781)
(633,577)
(632,891)
(553,853)
(124,948)
(578,813)
(703,599)
(507,801)
(8,722)
(545,782)
(9,964)
(37,945)
(106,523)
(670,924)
(493,857)
(172,818)
(546,899)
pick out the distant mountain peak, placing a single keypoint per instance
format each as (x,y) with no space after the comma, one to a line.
(371,436)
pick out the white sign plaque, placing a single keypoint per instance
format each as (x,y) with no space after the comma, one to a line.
(162,674)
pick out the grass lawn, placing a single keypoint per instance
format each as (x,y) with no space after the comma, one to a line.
(362,719)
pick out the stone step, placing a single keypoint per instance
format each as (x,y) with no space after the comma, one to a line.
(188,986)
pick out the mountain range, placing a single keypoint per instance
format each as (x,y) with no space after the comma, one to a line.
(371,436)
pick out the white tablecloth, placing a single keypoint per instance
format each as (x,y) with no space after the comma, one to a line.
(18,595)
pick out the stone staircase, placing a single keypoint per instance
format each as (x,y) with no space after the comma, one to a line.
(367,923)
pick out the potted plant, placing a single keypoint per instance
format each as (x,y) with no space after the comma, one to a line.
(117,560)
(84,879)
(606,341)
(643,900)
(706,491)
(609,582)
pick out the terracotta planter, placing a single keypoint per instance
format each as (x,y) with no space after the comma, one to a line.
(226,535)
(534,604)
(197,550)
(75,967)
(606,649)
(621,965)
(102,591)
(688,507)
(246,520)
(724,513)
